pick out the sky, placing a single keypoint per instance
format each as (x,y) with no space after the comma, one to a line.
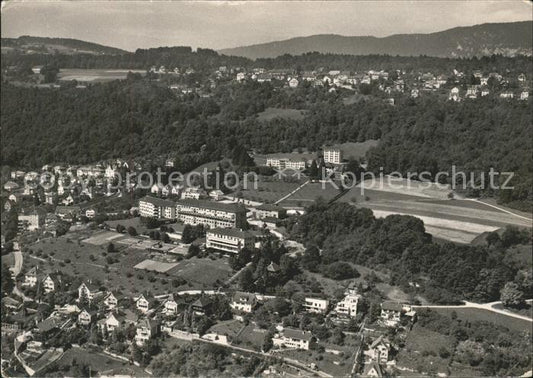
(221,24)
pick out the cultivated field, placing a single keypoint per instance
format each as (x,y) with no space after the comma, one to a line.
(273,113)
(309,193)
(457,220)
(94,75)
(202,273)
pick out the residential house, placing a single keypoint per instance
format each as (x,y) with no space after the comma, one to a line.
(241,76)
(524,95)
(30,278)
(316,305)
(414,93)
(507,94)
(379,350)
(471,92)
(194,193)
(156,189)
(143,304)
(88,291)
(170,306)
(373,369)
(31,220)
(522,78)
(348,305)
(485,92)
(202,306)
(86,317)
(10,186)
(216,194)
(110,323)
(37,69)
(454,95)
(293,83)
(145,330)
(270,211)
(244,302)
(50,198)
(51,283)
(90,213)
(67,213)
(293,339)
(110,301)
(391,312)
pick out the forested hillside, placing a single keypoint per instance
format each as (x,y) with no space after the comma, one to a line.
(399,243)
(138,118)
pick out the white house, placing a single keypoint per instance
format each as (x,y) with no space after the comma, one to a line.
(524,95)
(293,339)
(30,278)
(110,301)
(348,305)
(142,304)
(454,95)
(170,307)
(379,350)
(145,330)
(293,83)
(51,283)
(244,302)
(88,290)
(332,155)
(316,305)
(85,317)
(507,94)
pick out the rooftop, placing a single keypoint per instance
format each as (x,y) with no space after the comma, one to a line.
(158,201)
(229,207)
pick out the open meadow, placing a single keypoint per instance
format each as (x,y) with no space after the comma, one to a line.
(94,75)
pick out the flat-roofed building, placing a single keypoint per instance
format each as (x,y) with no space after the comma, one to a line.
(316,305)
(267,210)
(151,207)
(332,155)
(229,239)
(211,214)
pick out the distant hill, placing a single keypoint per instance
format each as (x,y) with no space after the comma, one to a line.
(508,39)
(44,45)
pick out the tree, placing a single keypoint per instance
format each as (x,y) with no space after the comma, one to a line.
(511,295)
(311,258)
(194,250)
(7,281)
(132,231)
(246,280)
(111,248)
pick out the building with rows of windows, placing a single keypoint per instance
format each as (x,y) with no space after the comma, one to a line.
(211,214)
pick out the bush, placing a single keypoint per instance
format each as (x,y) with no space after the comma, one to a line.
(340,271)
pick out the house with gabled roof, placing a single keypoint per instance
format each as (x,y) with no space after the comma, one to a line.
(244,302)
(86,317)
(379,350)
(373,370)
(170,306)
(293,338)
(51,282)
(110,301)
(145,330)
(202,306)
(143,304)
(89,291)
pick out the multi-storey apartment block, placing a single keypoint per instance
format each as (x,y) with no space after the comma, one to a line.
(151,207)
(211,214)
(229,239)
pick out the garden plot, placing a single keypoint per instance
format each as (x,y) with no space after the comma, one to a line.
(155,266)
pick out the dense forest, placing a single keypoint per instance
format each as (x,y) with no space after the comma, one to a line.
(141,118)
(446,272)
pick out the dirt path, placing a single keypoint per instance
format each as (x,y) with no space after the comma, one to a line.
(500,209)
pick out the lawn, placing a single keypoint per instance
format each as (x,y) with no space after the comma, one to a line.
(98,362)
(202,273)
(272,113)
(251,337)
(269,191)
(309,193)
(473,314)
(421,351)
(89,262)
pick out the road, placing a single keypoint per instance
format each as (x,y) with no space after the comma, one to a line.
(499,208)
(483,306)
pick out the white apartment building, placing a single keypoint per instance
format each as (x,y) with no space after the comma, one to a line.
(286,163)
(316,305)
(30,221)
(30,278)
(332,155)
(151,207)
(348,306)
(211,214)
(229,239)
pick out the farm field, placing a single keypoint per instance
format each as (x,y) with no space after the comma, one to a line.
(455,220)
(272,113)
(94,75)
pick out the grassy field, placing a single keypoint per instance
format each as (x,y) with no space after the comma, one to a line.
(99,362)
(309,193)
(94,75)
(472,314)
(202,273)
(450,219)
(73,256)
(269,191)
(421,351)
(273,113)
